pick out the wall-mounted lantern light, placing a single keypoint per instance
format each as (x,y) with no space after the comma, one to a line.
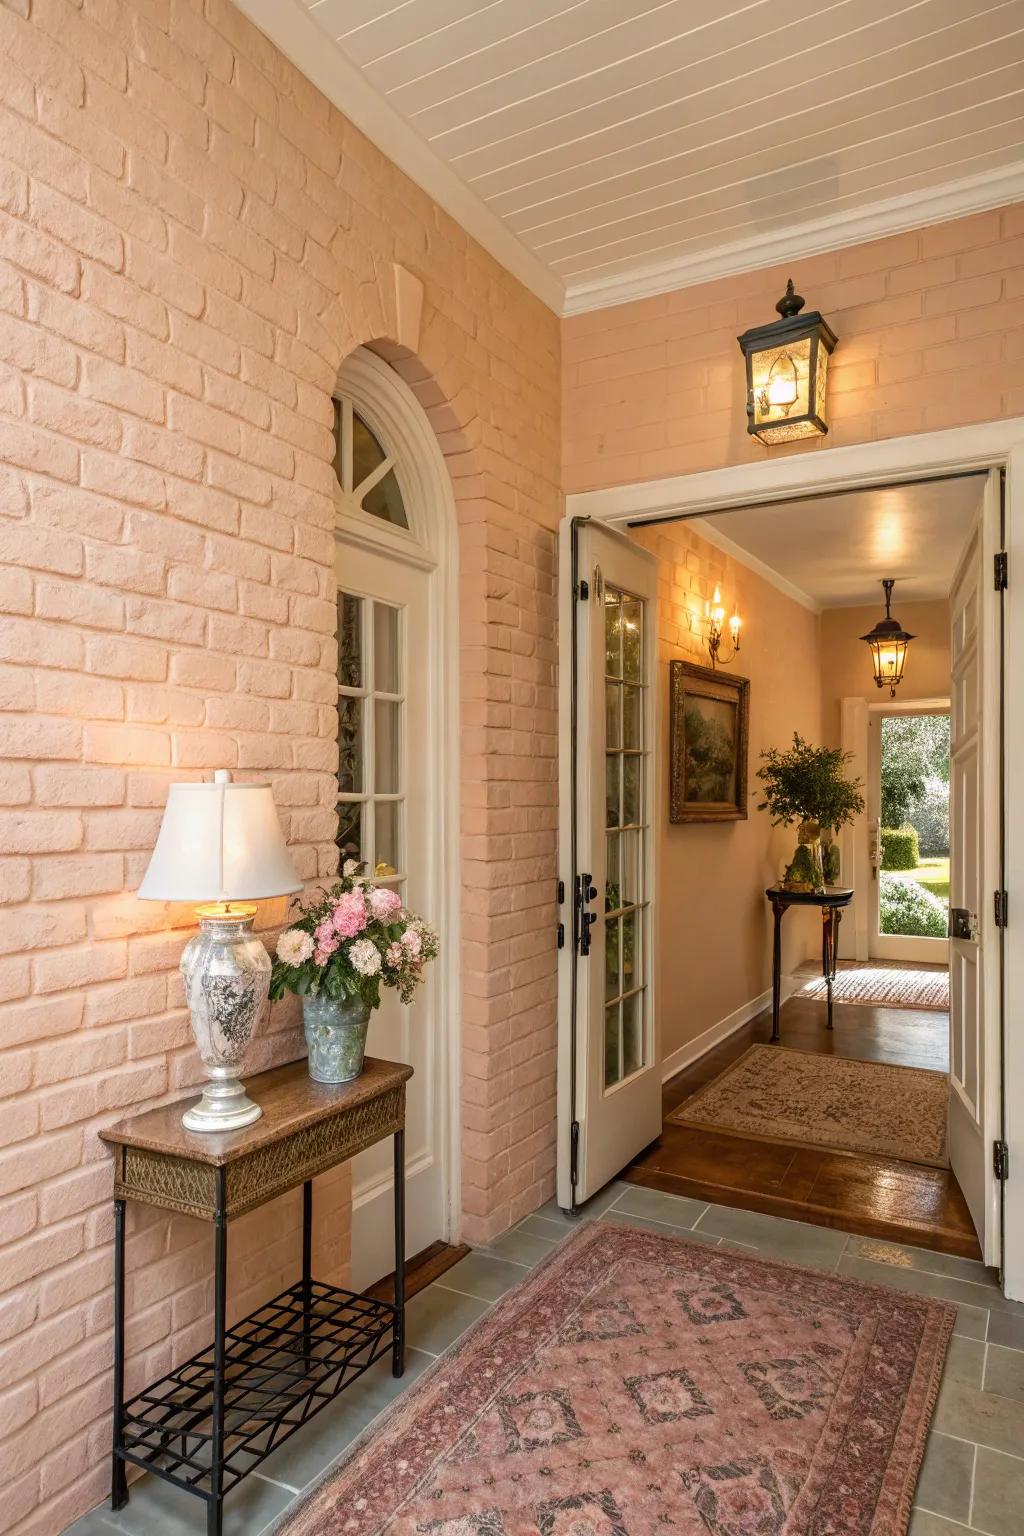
(787,370)
(888,642)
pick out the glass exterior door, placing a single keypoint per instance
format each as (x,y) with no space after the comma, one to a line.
(371,736)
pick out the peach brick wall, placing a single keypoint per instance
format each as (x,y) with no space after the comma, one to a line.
(191,241)
(931,335)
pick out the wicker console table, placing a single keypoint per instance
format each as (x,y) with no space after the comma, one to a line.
(206,1424)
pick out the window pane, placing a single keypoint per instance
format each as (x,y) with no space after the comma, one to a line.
(629,867)
(367,453)
(631,639)
(611,958)
(612,897)
(613,714)
(384,500)
(631,720)
(339,462)
(350,640)
(632,1034)
(612,1074)
(349,839)
(386,678)
(611,768)
(385,747)
(631,976)
(386,851)
(612,646)
(350,746)
(631,789)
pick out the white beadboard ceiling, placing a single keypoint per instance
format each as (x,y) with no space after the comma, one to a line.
(835,551)
(605,149)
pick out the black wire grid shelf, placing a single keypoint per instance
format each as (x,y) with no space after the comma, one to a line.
(282,1364)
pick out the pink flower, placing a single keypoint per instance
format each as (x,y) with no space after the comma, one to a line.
(395,955)
(384,901)
(325,933)
(350,914)
(412,941)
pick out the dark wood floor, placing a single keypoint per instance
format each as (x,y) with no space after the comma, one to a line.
(872,1196)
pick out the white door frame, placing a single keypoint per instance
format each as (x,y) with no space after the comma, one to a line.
(997,444)
(431,544)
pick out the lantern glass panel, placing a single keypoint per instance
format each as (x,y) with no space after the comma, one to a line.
(766,414)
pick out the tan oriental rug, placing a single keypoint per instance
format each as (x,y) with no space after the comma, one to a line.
(775,1094)
(642,1385)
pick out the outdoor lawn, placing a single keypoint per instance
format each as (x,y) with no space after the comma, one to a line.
(933,874)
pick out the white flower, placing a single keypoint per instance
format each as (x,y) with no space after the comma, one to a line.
(349,867)
(365,957)
(294,946)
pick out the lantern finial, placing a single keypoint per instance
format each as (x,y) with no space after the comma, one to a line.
(791,302)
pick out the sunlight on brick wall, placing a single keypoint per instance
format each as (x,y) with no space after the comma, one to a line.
(191,241)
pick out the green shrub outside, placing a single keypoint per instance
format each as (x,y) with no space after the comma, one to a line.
(906,907)
(900,848)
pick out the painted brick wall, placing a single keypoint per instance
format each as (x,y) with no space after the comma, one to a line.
(191,241)
(931,335)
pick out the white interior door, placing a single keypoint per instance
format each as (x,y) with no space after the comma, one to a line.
(386,808)
(974,827)
(609,1072)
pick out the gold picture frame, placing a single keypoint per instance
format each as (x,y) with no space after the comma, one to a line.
(709,729)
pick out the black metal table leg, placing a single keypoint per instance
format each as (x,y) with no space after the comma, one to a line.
(118,1477)
(777,909)
(398,1349)
(215,1505)
(307,1266)
(827,960)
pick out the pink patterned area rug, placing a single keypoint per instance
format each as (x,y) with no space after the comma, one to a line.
(640,1385)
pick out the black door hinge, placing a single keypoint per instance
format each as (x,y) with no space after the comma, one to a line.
(574,1154)
(1000,905)
(583,591)
(1002,571)
(561,936)
(1001,1160)
(586,892)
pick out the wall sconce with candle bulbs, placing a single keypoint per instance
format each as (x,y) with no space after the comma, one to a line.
(787,373)
(888,642)
(711,625)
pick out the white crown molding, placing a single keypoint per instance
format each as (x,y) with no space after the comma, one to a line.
(741,556)
(894,216)
(288,24)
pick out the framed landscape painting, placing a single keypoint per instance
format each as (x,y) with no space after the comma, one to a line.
(708,729)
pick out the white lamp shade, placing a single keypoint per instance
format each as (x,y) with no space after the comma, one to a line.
(219,842)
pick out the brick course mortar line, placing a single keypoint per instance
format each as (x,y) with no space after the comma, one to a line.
(192,240)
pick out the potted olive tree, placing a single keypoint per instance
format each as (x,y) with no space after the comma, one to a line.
(807,785)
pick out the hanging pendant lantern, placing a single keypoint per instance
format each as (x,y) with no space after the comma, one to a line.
(888,642)
(787,371)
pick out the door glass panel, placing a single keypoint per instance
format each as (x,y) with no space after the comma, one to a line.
(611,959)
(350,747)
(364,469)
(371,754)
(385,648)
(384,500)
(350,640)
(627,763)
(367,453)
(385,753)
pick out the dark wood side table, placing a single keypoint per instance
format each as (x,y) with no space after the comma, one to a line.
(832,901)
(206,1424)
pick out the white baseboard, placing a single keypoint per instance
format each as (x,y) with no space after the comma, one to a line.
(694,1049)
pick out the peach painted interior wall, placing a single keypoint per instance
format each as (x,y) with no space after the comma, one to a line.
(714,924)
(931,335)
(846,664)
(191,241)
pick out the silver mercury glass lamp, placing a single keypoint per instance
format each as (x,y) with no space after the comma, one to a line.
(221,845)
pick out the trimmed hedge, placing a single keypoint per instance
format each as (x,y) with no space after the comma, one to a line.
(900,848)
(906,907)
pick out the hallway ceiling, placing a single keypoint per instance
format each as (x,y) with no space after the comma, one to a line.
(836,550)
(605,148)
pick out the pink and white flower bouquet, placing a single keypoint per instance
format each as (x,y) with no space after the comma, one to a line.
(357,938)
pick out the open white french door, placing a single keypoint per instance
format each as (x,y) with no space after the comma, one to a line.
(976,874)
(609,1074)
(386,809)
